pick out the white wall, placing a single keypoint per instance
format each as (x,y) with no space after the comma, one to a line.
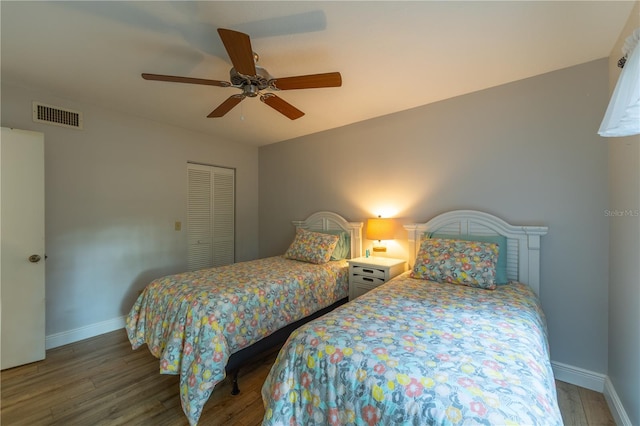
(113,193)
(526,151)
(624,275)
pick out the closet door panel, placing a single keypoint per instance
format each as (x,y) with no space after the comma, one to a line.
(210,216)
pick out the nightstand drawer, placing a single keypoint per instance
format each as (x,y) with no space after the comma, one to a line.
(365,279)
(369,271)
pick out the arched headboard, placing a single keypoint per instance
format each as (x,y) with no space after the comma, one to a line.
(523,242)
(329,221)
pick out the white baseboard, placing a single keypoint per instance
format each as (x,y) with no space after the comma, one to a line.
(596,382)
(578,376)
(615,405)
(92,330)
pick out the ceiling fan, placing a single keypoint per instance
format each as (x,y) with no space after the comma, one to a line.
(254,80)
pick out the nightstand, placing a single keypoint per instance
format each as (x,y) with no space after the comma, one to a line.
(367,273)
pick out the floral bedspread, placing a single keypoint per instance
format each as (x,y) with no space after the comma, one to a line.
(194,321)
(415,352)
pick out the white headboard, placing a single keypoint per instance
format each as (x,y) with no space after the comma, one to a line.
(523,242)
(329,221)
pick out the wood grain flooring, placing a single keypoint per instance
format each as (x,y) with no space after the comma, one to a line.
(101,381)
(580,406)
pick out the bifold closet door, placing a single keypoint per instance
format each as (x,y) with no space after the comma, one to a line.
(210,216)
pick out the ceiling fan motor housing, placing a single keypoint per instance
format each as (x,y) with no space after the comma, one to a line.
(250,90)
(260,80)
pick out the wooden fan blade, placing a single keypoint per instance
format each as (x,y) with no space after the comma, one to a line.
(312,81)
(239,49)
(281,106)
(226,106)
(176,79)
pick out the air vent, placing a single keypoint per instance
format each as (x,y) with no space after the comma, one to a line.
(57,116)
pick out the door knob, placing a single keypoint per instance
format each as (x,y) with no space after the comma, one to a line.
(34,258)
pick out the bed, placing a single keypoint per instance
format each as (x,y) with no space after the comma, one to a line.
(203,324)
(437,345)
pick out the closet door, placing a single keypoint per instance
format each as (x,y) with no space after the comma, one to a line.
(22,280)
(210,216)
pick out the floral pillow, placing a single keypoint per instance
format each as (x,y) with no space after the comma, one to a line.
(312,247)
(500,240)
(471,263)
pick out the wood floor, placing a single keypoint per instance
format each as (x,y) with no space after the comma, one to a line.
(101,381)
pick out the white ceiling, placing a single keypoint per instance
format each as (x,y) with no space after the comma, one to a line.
(392,55)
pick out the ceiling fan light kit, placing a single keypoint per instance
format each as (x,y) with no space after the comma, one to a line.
(252,79)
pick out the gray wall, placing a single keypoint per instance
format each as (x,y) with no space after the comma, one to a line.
(527,152)
(624,255)
(113,193)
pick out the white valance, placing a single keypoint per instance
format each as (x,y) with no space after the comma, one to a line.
(623,114)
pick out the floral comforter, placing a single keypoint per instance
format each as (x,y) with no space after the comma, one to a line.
(415,352)
(194,321)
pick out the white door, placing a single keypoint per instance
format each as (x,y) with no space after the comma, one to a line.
(210,216)
(22,293)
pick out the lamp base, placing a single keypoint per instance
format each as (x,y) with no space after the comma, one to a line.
(380,249)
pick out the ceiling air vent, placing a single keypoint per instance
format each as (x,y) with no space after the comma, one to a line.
(57,116)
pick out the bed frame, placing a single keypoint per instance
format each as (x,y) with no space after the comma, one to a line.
(523,242)
(320,221)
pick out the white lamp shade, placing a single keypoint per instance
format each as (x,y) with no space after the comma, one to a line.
(623,114)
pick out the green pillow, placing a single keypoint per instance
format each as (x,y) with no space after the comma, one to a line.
(500,240)
(343,248)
